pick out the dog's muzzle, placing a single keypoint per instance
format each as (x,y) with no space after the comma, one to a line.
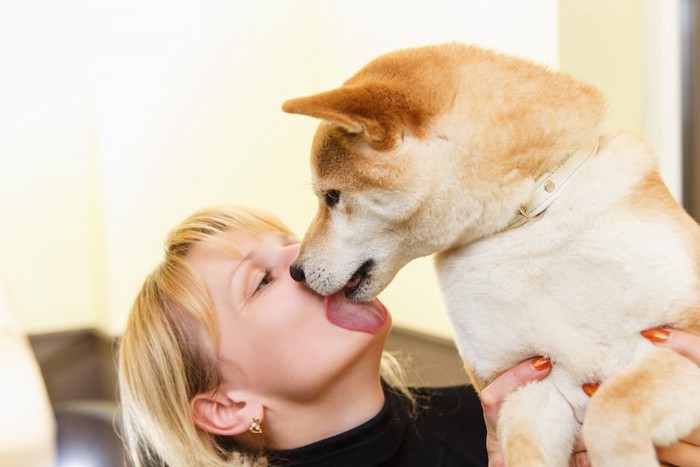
(360,277)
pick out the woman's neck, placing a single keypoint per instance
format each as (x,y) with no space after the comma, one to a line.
(291,424)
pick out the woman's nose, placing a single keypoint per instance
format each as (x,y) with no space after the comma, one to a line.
(290,253)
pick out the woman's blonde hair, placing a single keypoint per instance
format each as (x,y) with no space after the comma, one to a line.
(167,354)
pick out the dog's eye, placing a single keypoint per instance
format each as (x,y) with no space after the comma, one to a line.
(331,197)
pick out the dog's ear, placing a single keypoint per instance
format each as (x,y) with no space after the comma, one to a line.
(373,109)
(340,107)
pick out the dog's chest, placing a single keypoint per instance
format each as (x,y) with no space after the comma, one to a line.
(581,303)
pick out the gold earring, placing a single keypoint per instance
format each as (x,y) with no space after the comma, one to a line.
(255,426)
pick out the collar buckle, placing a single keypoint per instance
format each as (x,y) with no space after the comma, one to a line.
(550,185)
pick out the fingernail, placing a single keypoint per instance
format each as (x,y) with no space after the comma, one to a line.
(590,389)
(541,364)
(656,335)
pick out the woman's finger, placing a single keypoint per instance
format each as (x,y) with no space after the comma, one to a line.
(682,342)
(685,453)
(693,438)
(680,454)
(579,458)
(495,393)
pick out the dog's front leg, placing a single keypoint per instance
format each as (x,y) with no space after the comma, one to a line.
(537,427)
(655,401)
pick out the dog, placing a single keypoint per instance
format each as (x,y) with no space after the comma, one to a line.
(550,238)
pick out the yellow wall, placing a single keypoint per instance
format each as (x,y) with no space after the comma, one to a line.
(123,117)
(51,250)
(120,118)
(600,43)
(630,49)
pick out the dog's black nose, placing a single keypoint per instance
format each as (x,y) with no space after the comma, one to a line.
(297,273)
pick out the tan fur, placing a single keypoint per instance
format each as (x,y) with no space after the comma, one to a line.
(434,150)
(398,92)
(524,449)
(341,166)
(634,395)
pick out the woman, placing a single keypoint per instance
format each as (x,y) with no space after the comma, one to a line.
(228,361)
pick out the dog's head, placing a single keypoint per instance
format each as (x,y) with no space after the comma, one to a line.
(417,154)
(370,213)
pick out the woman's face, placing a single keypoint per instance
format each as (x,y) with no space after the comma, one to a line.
(276,337)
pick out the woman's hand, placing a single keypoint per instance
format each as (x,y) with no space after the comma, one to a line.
(495,393)
(684,453)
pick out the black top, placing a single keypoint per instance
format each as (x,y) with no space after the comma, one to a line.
(448,431)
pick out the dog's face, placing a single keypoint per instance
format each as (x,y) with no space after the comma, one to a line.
(368,223)
(373,174)
(426,149)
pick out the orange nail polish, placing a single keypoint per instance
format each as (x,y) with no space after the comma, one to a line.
(656,335)
(541,364)
(590,389)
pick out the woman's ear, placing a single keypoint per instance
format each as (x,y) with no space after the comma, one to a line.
(221,414)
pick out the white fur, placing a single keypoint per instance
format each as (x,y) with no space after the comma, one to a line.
(577,287)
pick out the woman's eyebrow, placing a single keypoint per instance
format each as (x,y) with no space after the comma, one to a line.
(247,257)
(236,284)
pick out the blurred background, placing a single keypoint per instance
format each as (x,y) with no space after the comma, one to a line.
(119,118)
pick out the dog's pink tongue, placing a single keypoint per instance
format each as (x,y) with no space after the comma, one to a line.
(355,316)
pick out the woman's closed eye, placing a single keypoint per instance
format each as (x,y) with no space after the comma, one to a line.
(265,279)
